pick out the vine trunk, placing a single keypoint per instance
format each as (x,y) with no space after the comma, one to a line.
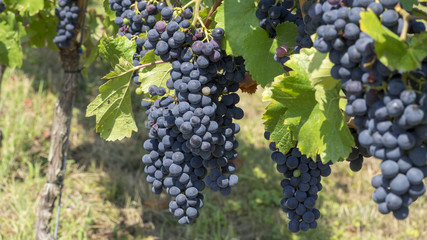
(2,70)
(58,147)
(60,134)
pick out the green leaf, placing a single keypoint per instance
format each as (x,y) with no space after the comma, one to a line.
(260,50)
(391,51)
(320,69)
(90,51)
(156,74)
(313,114)
(418,48)
(27,6)
(111,49)
(10,41)
(408,4)
(108,12)
(286,33)
(420,10)
(40,33)
(237,18)
(112,107)
(274,117)
(325,132)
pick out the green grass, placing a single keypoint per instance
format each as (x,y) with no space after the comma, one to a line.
(106,196)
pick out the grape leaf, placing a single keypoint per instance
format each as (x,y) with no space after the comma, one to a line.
(90,50)
(108,12)
(10,41)
(40,33)
(112,107)
(274,117)
(260,50)
(156,74)
(27,6)
(420,10)
(248,85)
(110,48)
(286,33)
(320,69)
(408,4)
(237,18)
(393,52)
(313,113)
(325,130)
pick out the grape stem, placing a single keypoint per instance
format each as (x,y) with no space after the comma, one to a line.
(406,17)
(135,5)
(191,2)
(216,4)
(149,100)
(301,2)
(148,64)
(196,12)
(420,82)
(205,30)
(350,122)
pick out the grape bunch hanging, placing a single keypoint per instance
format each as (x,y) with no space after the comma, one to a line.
(191,130)
(388,108)
(192,134)
(67,13)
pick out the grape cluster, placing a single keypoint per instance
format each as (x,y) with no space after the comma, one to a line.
(167,164)
(300,186)
(394,131)
(2,6)
(67,13)
(389,113)
(137,21)
(191,132)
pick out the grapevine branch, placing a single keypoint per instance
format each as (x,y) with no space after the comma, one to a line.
(211,11)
